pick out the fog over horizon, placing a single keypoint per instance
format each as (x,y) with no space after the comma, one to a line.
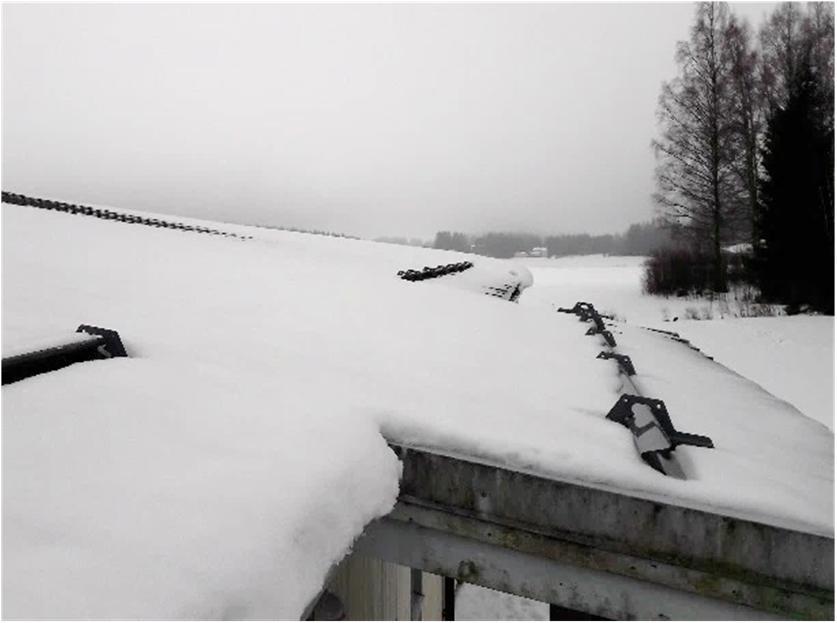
(371,120)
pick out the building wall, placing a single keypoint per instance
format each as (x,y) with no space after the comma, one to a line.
(373,590)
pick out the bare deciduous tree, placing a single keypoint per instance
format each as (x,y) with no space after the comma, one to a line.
(748,111)
(818,33)
(781,39)
(698,187)
(790,37)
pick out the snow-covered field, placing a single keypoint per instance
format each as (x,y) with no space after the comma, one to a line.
(222,468)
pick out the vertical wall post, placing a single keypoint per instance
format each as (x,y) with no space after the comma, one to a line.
(416,595)
(449,600)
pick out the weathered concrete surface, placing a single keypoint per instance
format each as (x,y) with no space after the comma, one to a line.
(579,588)
(762,569)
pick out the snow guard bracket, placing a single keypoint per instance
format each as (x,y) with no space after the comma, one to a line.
(654,435)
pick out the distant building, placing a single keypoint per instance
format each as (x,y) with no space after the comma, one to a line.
(535,252)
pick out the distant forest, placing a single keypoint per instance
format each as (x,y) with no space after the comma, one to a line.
(638,239)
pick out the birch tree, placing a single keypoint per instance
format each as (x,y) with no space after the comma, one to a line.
(748,114)
(698,191)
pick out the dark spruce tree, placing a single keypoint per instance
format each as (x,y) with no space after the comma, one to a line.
(795,253)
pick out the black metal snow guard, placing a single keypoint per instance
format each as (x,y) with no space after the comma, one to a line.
(648,420)
(509,291)
(586,311)
(625,363)
(102,344)
(654,435)
(111,215)
(429,273)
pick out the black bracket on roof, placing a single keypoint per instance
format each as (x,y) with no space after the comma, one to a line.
(625,363)
(586,311)
(509,291)
(607,335)
(654,435)
(430,272)
(102,344)
(581,308)
(112,346)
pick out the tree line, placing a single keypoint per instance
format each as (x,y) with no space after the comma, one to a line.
(638,239)
(745,150)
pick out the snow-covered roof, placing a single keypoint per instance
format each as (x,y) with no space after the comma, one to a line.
(222,468)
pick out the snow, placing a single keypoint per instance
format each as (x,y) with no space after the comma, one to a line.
(148,490)
(614,285)
(233,458)
(792,357)
(765,450)
(238,448)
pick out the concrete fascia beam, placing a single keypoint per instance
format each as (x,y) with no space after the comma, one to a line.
(748,566)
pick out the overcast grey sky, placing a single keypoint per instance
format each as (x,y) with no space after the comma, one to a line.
(366,119)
